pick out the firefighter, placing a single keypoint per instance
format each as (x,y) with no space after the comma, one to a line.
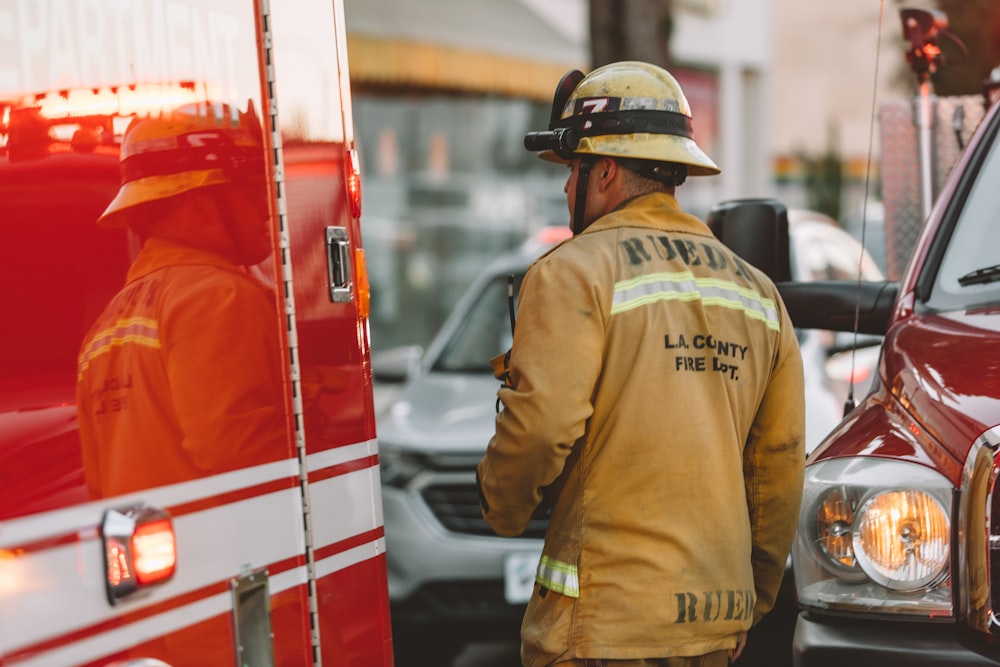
(654,402)
(180,375)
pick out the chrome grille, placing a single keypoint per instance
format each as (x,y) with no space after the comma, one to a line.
(456,506)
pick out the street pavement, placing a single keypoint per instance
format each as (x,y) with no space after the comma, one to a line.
(490,654)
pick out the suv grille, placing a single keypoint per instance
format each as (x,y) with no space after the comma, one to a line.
(456,506)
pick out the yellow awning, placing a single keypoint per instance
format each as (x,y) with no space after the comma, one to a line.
(402,63)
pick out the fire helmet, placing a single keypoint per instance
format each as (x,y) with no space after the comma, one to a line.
(627,109)
(194,146)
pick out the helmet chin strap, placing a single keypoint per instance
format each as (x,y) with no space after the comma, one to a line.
(582,181)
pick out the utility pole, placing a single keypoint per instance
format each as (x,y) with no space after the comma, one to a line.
(630,30)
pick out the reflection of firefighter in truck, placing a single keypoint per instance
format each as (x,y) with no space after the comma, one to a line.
(178,378)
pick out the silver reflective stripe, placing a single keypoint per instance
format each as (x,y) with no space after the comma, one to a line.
(683,286)
(558,576)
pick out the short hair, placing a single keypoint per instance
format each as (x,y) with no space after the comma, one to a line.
(637,184)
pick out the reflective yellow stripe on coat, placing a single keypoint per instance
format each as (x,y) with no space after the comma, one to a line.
(134,330)
(558,576)
(683,286)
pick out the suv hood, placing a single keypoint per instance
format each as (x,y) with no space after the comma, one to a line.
(442,412)
(945,369)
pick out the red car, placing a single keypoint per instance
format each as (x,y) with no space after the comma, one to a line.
(899,530)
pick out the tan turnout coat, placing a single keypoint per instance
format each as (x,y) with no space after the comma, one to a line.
(656,402)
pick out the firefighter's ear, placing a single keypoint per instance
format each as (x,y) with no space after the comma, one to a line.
(607,170)
(606,166)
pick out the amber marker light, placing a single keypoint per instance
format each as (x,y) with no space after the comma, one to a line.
(354,182)
(364,288)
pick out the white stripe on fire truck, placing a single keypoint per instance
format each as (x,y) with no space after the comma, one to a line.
(78,521)
(82,519)
(122,634)
(61,574)
(359,479)
(337,455)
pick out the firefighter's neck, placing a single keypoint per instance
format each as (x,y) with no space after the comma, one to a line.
(609,187)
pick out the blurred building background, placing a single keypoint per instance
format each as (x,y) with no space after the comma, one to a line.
(444,91)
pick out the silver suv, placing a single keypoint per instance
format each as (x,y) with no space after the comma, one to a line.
(451,579)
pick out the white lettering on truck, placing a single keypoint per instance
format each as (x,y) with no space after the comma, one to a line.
(70,44)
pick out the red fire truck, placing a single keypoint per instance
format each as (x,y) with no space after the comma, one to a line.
(271,559)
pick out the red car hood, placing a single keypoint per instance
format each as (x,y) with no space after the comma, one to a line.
(945,370)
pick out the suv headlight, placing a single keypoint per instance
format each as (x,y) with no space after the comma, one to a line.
(399,466)
(874,535)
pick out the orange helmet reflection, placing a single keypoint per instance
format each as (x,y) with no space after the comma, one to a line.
(194,146)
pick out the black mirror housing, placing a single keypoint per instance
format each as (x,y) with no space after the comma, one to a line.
(757,231)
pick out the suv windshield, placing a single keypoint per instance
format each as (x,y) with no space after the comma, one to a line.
(967,277)
(482,329)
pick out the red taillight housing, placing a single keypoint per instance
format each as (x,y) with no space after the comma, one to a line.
(154,551)
(140,550)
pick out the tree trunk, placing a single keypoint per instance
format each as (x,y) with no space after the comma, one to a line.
(630,30)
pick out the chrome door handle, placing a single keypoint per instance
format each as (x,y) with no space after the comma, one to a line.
(338,261)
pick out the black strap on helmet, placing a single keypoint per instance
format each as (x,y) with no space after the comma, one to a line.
(564,135)
(629,122)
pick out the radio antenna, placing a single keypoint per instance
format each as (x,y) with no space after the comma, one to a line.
(849,403)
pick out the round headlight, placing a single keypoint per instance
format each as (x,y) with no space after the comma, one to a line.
(901,539)
(834,523)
